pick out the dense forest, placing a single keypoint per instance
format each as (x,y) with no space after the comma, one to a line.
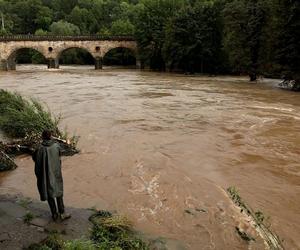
(254,37)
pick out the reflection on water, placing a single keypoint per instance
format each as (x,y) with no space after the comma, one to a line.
(157,145)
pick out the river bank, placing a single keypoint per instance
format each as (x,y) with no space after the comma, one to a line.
(27,224)
(15,233)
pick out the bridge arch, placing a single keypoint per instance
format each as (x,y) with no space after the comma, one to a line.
(63,49)
(127,56)
(106,49)
(79,48)
(12,55)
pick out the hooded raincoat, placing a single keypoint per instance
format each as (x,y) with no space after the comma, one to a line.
(48,170)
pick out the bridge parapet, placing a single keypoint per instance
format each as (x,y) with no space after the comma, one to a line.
(8,38)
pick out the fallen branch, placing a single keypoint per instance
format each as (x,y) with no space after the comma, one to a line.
(6,162)
(270,238)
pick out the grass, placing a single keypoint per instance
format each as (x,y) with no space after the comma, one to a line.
(80,244)
(25,118)
(114,232)
(54,242)
(109,232)
(28,217)
(24,202)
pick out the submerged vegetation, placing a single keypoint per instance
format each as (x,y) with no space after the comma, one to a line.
(259,220)
(22,121)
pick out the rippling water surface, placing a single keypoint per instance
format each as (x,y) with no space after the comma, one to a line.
(161,147)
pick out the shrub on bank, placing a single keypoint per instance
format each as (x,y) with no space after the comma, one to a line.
(24,120)
(109,231)
(115,232)
(21,117)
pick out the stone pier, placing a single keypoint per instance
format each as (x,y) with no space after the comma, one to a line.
(98,63)
(53,63)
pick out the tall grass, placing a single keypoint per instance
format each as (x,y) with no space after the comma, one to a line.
(20,117)
(115,232)
(109,232)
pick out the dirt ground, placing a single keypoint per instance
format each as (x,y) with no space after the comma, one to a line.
(17,234)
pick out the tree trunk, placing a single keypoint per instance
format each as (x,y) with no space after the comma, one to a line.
(253,77)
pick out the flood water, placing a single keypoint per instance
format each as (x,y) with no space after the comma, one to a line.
(161,147)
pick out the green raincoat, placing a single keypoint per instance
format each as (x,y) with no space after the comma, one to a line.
(48,170)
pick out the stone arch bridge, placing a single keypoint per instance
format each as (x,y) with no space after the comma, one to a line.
(51,47)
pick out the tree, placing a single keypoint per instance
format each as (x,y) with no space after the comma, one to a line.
(244,22)
(193,39)
(44,18)
(286,46)
(41,32)
(122,27)
(64,28)
(83,19)
(24,14)
(152,19)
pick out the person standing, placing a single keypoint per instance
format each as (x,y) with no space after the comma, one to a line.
(49,177)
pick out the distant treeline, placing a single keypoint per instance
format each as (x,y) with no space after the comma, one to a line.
(254,37)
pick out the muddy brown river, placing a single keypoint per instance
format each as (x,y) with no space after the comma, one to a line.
(162,148)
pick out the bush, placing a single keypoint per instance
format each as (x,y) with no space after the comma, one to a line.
(21,118)
(79,245)
(115,232)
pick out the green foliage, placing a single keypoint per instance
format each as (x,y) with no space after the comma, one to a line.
(244,21)
(28,217)
(53,242)
(236,198)
(79,245)
(21,117)
(109,232)
(114,232)
(4,32)
(104,31)
(24,202)
(41,32)
(64,28)
(152,19)
(122,27)
(285,28)
(83,19)
(191,42)
(44,17)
